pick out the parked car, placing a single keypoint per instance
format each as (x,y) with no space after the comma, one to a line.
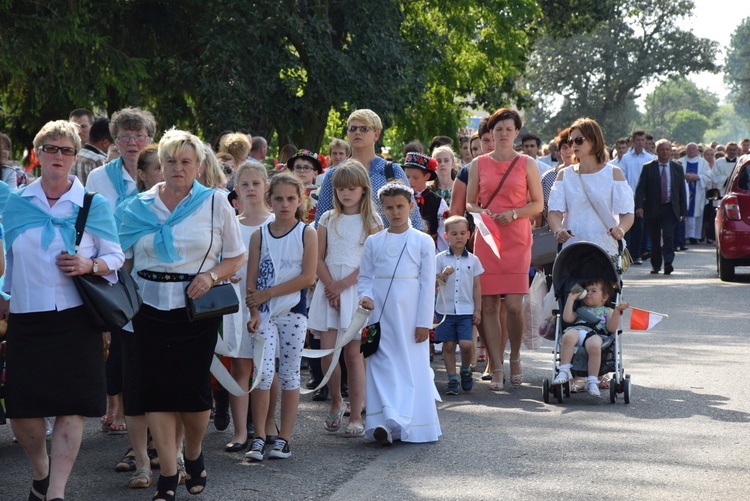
(733,222)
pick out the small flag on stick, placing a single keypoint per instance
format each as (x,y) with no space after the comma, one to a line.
(488,231)
(643,320)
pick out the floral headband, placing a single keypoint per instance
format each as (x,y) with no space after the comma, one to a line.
(395,186)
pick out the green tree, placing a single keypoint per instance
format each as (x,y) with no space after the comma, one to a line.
(737,69)
(733,126)
(688,125)
(53,60)
(672,97)
(599,74)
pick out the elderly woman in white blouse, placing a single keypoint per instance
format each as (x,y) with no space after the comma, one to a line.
(166,233)
(54,362)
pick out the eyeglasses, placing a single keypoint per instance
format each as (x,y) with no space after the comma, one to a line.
(52,149)
(577,140)
(139,138)
(303,168)
(361,128)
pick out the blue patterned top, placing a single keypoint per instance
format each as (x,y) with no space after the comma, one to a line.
(377,180)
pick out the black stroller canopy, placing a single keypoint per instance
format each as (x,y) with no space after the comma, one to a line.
(582,261)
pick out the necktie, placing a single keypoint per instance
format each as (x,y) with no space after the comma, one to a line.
(664,195)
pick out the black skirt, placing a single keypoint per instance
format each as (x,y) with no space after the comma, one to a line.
(175,359)
(54,366)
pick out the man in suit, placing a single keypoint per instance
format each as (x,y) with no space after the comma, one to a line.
(660,199)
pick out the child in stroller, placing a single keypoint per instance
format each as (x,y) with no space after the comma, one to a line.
(591,324)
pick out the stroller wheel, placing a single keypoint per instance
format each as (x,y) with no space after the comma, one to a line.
(613,391)
(566,389)
(626,388)
(558,393)
(545,390)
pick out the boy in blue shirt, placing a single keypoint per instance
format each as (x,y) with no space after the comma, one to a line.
(462,304)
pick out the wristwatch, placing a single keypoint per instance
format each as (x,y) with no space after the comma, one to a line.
(213,276)
(95,267)
(515,216)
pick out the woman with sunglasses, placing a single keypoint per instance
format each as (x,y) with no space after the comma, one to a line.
(589,190)
(518,199)
(55,364)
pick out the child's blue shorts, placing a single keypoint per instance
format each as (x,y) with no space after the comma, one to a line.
(455,328)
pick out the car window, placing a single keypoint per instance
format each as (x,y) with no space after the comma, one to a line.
(743,182)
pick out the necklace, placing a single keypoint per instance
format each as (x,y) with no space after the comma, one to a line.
(50,198)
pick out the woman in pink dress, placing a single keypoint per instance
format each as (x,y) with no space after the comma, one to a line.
(519,199)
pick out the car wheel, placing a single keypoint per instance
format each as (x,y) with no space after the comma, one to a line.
(725,266)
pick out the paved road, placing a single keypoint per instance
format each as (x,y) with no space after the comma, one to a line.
(683,436)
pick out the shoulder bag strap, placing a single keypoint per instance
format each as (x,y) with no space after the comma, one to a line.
(585,192)
(389,174)
(392,277)
(83,214)
(211,243)
(502,181)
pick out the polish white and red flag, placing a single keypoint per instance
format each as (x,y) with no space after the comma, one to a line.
(643,320)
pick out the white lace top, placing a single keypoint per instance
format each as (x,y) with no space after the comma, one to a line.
(345,238)
(610,197)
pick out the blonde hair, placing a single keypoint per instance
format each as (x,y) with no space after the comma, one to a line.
(367,116)
(339,143)
(237,145)
(251,166)
(58,129)
(213,174)
(292,180)
(174,142)
(352,174)
(453,220)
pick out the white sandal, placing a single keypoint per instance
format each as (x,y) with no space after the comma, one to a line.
(563,376)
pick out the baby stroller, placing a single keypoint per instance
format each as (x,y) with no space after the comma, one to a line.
(574,264)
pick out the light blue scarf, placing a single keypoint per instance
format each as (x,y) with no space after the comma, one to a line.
(21,215)
(4,194)
(114,173)
(139,220)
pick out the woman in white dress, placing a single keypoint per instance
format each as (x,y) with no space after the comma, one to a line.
(594,179)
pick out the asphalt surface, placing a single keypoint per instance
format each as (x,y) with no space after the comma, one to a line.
(683,436)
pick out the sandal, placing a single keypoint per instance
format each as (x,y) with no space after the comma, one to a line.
(604,384)
(39,489)
(118,429)
(164,487)
(197,471)
(106,421)
(153,458)
(141,479)
(354,431)
(181,469)
(578,386)
(334,420)
(127,463)
(516,379)
(498,385)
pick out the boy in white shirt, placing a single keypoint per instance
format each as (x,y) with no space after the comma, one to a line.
(462,304)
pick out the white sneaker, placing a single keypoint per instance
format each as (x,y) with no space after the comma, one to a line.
(563,376)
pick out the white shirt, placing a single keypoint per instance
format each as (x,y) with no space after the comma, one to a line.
(459,286)
(99,182)
(32,277)
(632,165)
(191,238)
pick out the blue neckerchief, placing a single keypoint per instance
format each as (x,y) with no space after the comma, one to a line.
(21,215)
(4,194)
(114,173)
(138,220)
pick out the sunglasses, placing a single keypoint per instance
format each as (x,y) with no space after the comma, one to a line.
(361,128)
(577,140)
(52,149)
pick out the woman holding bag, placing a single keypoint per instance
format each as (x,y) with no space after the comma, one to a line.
(54,353)
(517,199)
(164,232)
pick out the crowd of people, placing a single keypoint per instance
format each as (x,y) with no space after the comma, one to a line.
(308,241)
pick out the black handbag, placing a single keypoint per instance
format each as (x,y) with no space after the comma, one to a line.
(109,306)
(370,340)
(544,247)
(219,300)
